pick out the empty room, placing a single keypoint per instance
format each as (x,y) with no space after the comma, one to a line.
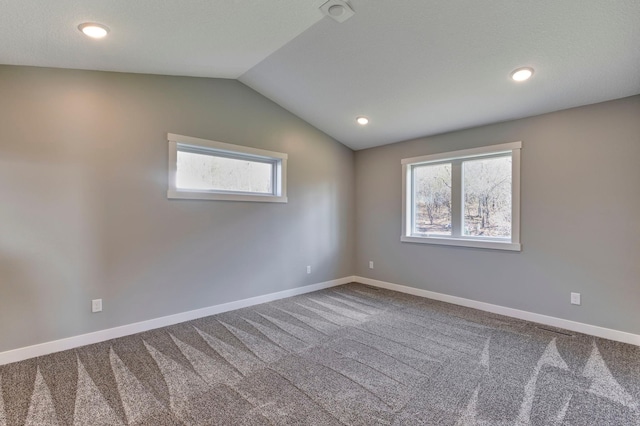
(312,212)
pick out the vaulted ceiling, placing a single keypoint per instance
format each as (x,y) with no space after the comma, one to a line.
(414,67)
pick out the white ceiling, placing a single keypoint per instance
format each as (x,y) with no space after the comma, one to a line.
(414,67)
(201,38)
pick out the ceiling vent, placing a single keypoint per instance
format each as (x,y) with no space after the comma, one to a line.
(337,10)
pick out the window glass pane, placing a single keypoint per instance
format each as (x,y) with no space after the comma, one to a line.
(432,199)
(209,172)
(487,197)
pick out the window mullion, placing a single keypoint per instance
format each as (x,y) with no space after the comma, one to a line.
(515,196)
(456,199)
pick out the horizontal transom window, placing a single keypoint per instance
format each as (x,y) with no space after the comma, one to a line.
(464,198)
(210,170)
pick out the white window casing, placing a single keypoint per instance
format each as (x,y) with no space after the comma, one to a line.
(456,159)
(220,150)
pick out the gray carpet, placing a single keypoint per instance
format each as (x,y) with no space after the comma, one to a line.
(350,355)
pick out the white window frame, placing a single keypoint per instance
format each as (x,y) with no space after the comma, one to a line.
(221,149)
(456,158)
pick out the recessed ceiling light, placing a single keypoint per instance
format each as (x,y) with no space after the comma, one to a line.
(362,120)
(522,74)
(93,30)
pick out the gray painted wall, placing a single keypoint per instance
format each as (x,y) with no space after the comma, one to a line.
(580,218)
(84,213)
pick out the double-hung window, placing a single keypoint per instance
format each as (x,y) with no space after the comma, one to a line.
(463,198)
(208,170)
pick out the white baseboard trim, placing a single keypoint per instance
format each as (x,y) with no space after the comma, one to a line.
(46,348)
(41,349)
(593,330)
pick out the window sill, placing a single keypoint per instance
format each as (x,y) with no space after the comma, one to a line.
(203,195)
(460,242)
